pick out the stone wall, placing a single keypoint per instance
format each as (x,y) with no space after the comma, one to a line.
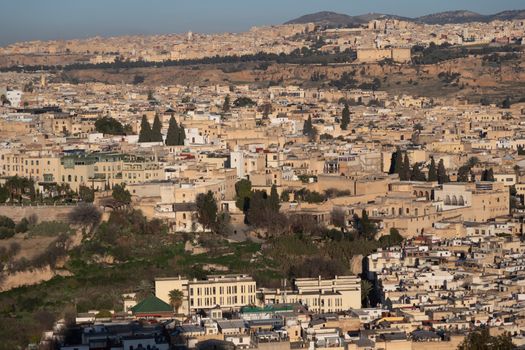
(44,213)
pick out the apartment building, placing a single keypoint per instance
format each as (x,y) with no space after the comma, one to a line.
(319,295)
(228,292)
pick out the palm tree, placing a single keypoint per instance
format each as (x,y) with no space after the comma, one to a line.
(176,297)
(366,288)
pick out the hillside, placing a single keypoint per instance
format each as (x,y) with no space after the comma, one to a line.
(327,18)
(335,19)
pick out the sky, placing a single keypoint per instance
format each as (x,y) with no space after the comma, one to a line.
(22,20)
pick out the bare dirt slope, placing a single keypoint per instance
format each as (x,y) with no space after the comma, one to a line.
(476,78)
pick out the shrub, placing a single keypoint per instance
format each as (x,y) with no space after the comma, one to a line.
(22,226)
(6,232)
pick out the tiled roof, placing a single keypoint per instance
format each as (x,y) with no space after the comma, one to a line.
(151,304)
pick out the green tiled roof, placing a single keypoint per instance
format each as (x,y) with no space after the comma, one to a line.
(267,308)
(151,304)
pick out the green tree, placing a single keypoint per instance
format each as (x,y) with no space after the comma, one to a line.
(244,102)
(86,194)
(151,97)
(481,339)
(156,130)
(121,194)
(345,117)
(418,128)
(366,289)
(4,194)
(365,227)
(19,187)
(182,135)
(432,171)
(392,239)
(176,298)
(396,162)
(145,134)
(226,105)
(285,196)
(405,169)
(338,218)
(274,199)
(442,173)
(173,135)
(207,210)
(243,189)
(259,212)
(308,128)
(506,103)
(489,176)
(22,226)
(86,215)
(266,110)
(110,126)
(463,173)
(138,79)
(416,174)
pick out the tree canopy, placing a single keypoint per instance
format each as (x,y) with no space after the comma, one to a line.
(109,126)
(207,210)
(156,130)
(146,134)
(345,117)
(121,194)
(173,137)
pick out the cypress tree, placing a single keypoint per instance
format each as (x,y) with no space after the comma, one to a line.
(182,135)
(393,159)
(487,175)
(345,120)
(432,171)
(416,174)
(274,199)
(398,164)
(226,104)
(156,133)
(145,130)
(442,172)
(172,137)
(405,170)
(308,126)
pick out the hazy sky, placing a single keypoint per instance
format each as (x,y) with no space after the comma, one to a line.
(63,19)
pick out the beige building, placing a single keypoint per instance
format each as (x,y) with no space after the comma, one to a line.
(319,295)
(229,292)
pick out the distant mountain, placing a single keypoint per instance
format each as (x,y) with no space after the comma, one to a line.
(460,16)
(509,15)
(334,19)
(327,18)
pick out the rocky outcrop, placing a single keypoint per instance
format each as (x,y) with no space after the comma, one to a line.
(29,277)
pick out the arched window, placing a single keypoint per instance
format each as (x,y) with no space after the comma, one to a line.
(447,200)
(454,200)
(461,201)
